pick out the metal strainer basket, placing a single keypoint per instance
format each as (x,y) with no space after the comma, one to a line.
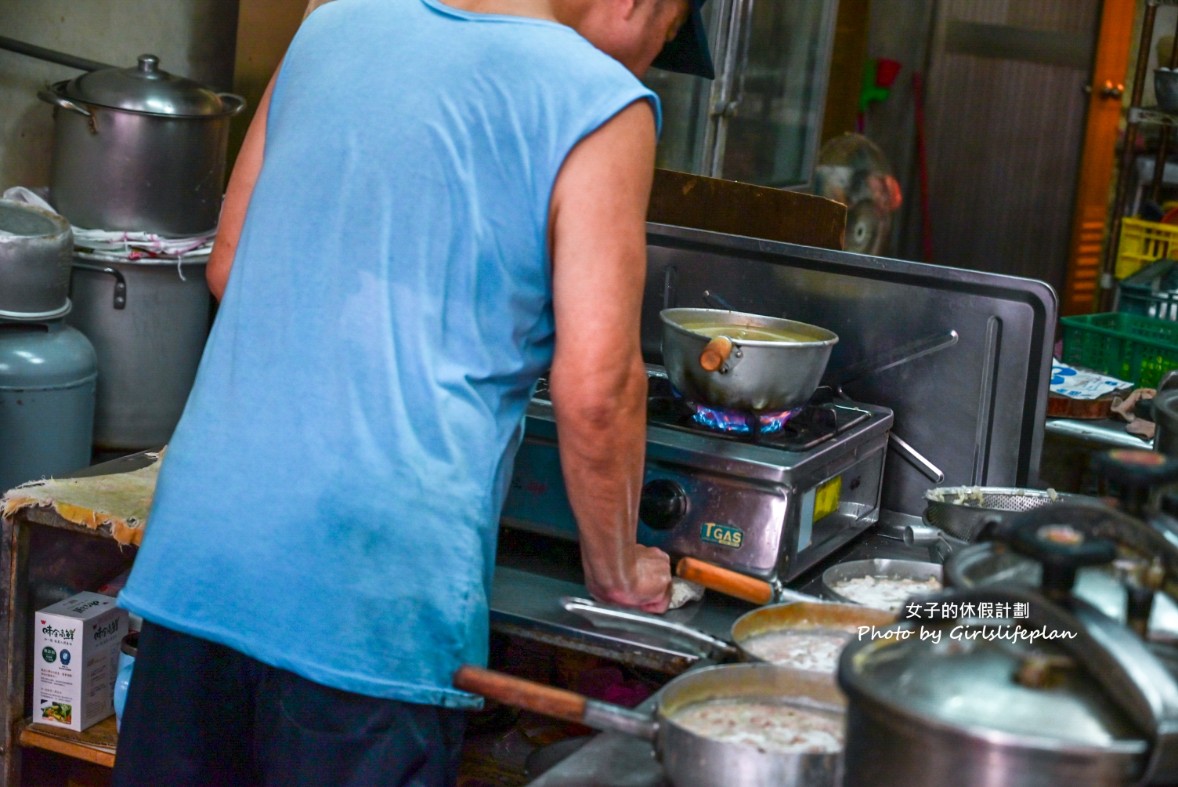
(962,511)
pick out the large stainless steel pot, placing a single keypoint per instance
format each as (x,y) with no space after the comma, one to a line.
(1145,558)
(973,700)
(148,321)
(745,362)
(690,759)
(35,248)
(138,149)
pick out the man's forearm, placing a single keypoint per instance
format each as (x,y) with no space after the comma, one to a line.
(602,449)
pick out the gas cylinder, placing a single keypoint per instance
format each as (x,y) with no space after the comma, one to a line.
(48,373)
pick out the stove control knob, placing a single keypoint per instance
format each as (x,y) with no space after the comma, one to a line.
(663,504)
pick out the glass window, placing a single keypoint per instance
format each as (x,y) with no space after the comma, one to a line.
(760,120)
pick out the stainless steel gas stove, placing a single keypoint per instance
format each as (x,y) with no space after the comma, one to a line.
(767,497)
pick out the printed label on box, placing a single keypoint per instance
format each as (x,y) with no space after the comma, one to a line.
(75,654)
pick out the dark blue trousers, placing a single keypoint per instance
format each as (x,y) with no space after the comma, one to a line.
(205,715)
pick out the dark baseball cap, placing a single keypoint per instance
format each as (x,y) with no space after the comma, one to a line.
(687,52)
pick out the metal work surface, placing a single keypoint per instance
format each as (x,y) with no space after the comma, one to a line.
(526,601)
(534,572)
(1103,433)
(961,357)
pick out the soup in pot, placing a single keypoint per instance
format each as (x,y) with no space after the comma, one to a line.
(768,726)
(755,333)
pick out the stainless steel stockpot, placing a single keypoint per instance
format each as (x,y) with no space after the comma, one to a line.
(138,149)
(1061,695)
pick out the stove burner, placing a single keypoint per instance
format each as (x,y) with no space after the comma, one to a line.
(819,420)
(735,422)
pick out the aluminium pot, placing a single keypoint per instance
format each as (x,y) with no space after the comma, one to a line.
(35,248)
(139,150)
(688,758)
(148,321)
(743,362)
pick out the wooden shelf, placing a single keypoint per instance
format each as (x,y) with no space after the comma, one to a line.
(95,744)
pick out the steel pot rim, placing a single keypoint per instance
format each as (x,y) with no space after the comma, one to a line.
(60,225)
(874,567)
(52,314)
(824,337)
(231,104)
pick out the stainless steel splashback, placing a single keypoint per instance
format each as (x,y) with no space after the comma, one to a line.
(963,358)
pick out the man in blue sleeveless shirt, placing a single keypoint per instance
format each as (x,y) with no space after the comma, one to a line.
(446,199)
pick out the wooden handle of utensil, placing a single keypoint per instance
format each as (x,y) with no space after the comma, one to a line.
(715,354)
(521,693)
(723,580)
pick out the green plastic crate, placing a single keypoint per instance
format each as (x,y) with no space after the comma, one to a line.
(1129,347)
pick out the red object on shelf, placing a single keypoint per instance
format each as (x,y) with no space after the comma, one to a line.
(886,71)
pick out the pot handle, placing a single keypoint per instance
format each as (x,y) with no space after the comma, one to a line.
(631,620)
(232,102)
(554,702)
(120,299)
(59,101)
(726,581)
(715,354)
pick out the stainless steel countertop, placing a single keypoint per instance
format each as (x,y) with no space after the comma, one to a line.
(1099,433)
(525,601)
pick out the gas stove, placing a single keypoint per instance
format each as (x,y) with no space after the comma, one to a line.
(770,497)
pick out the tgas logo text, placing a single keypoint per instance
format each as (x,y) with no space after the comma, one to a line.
(724,535)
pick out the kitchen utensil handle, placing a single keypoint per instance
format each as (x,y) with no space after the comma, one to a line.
(233,103)
(120,292)
(521,693)
(52,98)
(715,354)
(554,702)
(726,581)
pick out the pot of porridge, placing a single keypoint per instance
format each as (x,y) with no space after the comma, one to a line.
(804,635)
(711,727)
(800,635)
(881,583)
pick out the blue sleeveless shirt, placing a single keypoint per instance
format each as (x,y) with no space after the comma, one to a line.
(329,501)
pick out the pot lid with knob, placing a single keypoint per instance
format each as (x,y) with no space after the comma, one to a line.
(1018,680)
(146,88)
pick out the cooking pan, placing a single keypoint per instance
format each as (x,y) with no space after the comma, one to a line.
(758,591)
(690,759)
(751,633)
(744,362)
(733,583)
(915,570)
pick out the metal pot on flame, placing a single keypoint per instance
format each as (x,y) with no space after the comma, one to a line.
(743,362)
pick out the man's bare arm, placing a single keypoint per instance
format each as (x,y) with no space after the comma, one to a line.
(237,196)
(598,380)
